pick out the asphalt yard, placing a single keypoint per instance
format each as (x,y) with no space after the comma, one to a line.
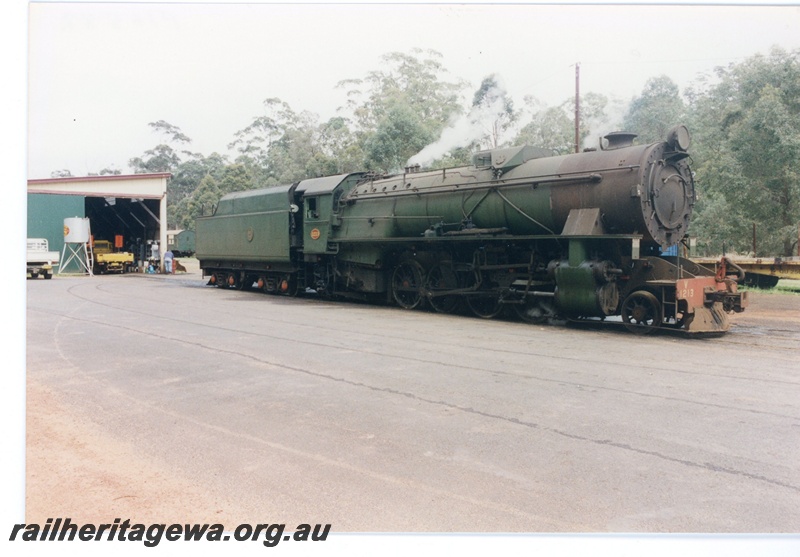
(168,400)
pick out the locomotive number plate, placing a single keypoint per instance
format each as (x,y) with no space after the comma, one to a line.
(315,234)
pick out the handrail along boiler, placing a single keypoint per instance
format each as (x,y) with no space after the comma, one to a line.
(575,236)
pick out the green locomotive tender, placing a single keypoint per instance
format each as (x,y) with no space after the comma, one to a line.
(574,236)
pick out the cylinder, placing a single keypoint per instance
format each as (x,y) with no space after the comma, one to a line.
(76,230)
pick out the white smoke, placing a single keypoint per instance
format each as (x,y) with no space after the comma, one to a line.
(476,126)
(612,120)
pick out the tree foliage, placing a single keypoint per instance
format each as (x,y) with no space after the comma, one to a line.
(406,80)
(161,158)
(744,119)
(401,108)
(399,135)
(164,157)
(747,147)
(185,181)
(282,146)
(554,127)
(549,128)
(656,110)
(492,101)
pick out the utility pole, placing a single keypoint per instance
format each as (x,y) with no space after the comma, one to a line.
(577,107)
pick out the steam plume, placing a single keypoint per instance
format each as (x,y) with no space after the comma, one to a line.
(476,126)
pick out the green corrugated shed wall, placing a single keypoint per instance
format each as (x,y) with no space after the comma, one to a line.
(46,214)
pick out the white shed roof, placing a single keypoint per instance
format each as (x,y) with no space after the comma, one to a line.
(145,186)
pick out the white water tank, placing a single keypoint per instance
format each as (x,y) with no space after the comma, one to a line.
(76,230)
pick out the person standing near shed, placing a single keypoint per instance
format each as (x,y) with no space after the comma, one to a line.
(168,256)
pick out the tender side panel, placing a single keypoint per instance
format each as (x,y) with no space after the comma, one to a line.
(253,226)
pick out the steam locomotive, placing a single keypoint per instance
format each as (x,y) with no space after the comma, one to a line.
(575,237)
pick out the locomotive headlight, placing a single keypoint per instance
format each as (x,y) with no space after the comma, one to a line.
(679,138)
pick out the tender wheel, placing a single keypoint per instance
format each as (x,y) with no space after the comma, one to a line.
(407,284)
(245,282)
(442,278)
(288,286)
(641,312)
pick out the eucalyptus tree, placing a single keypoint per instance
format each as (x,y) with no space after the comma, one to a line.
(747,131)
(339,146)
(164,157)
(255,141)
(656,110)
(227,179)
(492,104)
(549,128)
(399,135)
(187,175)
(282,146)
(553,127)
(173,155)
(200,202)
(400,108)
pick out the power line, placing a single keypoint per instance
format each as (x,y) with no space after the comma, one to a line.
(674,61)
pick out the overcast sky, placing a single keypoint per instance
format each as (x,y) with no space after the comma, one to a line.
(99,73)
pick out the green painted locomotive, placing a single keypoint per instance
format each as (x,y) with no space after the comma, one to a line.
(574,236)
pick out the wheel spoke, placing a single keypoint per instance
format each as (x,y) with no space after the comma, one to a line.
(442,278)
(407,284)
(641,312)
(485,306)
(483,303)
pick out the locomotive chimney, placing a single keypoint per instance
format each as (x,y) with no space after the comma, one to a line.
(618,140)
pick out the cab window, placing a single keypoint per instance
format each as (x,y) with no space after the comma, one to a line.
(311,208)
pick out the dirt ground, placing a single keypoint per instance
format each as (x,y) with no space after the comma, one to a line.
(74,470)
(774,307)
(107,479)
